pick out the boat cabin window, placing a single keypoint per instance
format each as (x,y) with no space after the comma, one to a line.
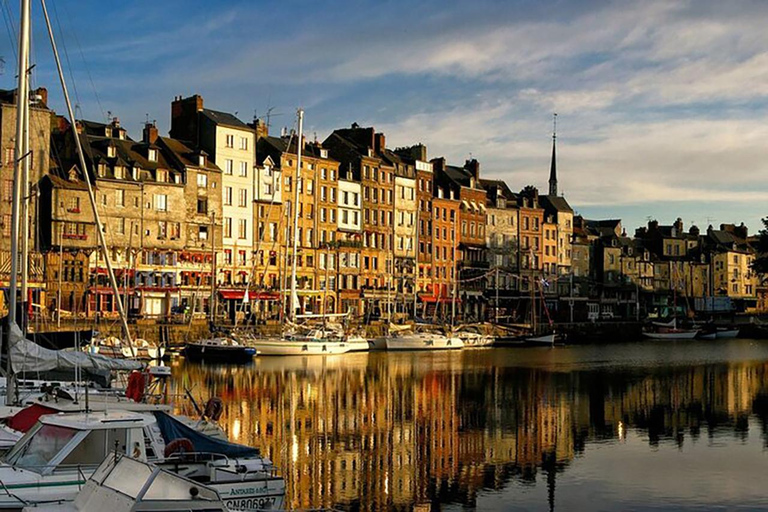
(36,451)
(93,449)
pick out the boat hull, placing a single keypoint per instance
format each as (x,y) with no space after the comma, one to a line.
(685,335)
(423,341)
(547,340)
(219,354)
(727,334)
(282,347)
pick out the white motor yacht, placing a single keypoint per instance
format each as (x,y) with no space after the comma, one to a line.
(52,462)
(125,484)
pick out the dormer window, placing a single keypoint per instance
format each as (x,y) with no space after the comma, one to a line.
(102,170)
(119,172)
(201,160)
(323,153)
(152,155)
(162,176)
(136,173)
(111,151)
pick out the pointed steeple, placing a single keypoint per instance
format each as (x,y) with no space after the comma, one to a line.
(553,166)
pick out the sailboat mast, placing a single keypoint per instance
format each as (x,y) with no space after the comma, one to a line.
(22,101)
(87,176)
(297,197)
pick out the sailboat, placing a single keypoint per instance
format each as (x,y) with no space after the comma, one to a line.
(316,342)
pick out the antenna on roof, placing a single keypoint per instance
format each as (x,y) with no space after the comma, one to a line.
(270,115)
(146,120)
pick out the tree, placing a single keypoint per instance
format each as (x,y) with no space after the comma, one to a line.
(760,265)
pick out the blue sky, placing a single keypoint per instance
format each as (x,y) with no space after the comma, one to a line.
(662,105)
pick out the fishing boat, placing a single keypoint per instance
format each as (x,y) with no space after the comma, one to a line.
(219,350)
(52,462)
(127,484)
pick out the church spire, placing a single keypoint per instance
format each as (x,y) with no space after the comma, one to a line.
(553,166)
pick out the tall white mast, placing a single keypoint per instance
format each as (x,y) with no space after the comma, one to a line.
(22,104)
(20,155)
(87,177)
(297,197)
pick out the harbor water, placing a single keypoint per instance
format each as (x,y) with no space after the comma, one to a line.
(654,425)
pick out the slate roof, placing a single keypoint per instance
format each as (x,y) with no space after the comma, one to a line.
(185,155)
(276,146)
(554,204)
(492,189)
(225,119)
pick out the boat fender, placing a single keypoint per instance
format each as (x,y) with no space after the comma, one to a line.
(213,409)
(180,445)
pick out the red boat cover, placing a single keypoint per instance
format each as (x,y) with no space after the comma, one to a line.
(26,418)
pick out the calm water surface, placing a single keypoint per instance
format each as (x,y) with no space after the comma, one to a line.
(640,426)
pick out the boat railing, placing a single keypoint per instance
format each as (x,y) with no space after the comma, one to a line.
(270,471)
(12,495)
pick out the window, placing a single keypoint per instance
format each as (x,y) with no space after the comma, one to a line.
(227,227)
(111,151)
(162,176)
(242,197)
(227,196)
(230,141)
(244,169)
(121,226)
(161,202)
(202,205)
(202,180)
(242,229)
(162,229)
(202,233)
(243,143)
(120,197)
(229,166)
(152,155)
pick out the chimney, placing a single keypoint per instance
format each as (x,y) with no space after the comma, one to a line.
(379,142)
(438,163)
(741,231)
(473,166)
(678,225)
(40,95)
(150,133)
(184,118)
(261,128)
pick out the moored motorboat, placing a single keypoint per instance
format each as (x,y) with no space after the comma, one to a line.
(128,484)
(53,460)
(219,350)
(405,337)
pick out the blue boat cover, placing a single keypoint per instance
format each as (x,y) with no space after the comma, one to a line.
(172,429)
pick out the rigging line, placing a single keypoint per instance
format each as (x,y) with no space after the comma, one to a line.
(66,55)
(85,63)
(8,19)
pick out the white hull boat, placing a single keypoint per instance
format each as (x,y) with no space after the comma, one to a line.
(52,462)
(727,333)
(672,335)
(357,344)
(422,341)
(299,346)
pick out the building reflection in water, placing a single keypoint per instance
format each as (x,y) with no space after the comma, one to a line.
(391,431)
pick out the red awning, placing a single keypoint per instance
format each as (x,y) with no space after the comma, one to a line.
(25,419)
(232,294)
(239,294)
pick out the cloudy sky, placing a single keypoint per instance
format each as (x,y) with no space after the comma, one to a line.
(662,105)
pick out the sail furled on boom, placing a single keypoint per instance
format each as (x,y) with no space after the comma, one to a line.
(27,356)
